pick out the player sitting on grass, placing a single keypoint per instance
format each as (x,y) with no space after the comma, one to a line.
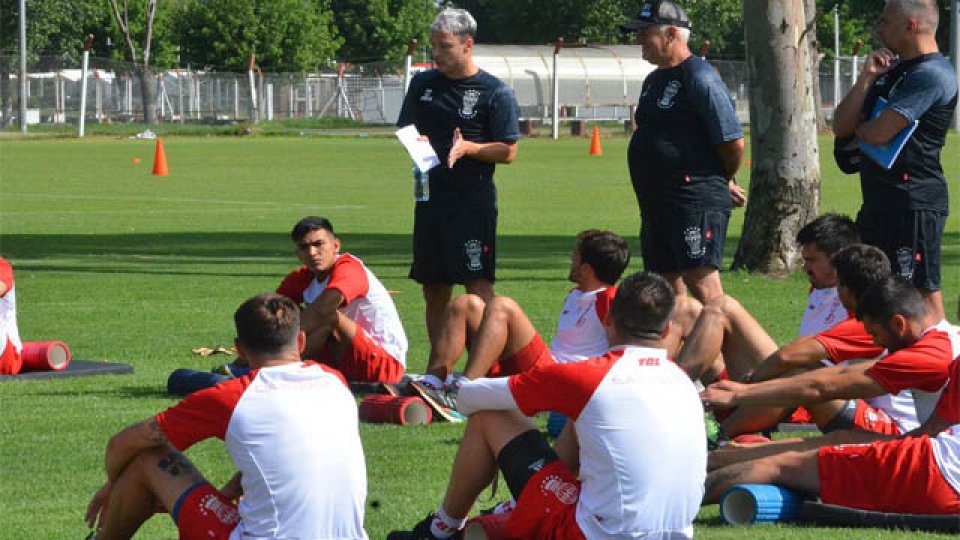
(631,462)
(10,362)
(919,351)
(501,339)
(916,473)
(301,474)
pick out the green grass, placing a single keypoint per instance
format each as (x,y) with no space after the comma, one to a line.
(129,267)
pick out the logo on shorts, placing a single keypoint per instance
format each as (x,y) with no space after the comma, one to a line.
(223,511)
(536,465)
(427,95)
(905,262)
(669,94)
(473,249)
(470,99)
(565,492)
(695,247)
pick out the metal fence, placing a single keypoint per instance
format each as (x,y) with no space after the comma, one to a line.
(370,93)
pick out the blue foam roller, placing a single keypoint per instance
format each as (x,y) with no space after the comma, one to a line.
(745,504)
(555,423)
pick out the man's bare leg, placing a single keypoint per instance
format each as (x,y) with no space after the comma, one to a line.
(796,470)
(934,302)
(155,477)
(338,339)
(737,453)
(504,330)
(476,461)
(704,283)
(436,297)
(461,321)
(480,287)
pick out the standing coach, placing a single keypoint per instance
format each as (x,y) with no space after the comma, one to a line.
(683,156)
(471,120)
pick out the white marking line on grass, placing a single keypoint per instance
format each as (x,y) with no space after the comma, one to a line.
(173,200)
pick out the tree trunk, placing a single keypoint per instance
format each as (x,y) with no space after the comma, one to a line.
(810,6)
(148,95)
(785,174)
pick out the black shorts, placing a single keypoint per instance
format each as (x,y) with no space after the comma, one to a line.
(673,242)
(911,240)
(453,243)
(522,457)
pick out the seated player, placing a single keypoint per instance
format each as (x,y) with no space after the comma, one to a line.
(916,473)
(630,464)
(501,339)
(10,362)
(919,350)
(301,474)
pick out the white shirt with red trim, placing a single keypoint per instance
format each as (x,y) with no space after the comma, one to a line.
(946,445)
(8,309)
(580,333)
(293,433)
(848,342)
(824,310)
(365,300)
(639,423)
(922,367)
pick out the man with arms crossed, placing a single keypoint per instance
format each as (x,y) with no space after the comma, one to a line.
(618,403)
(683,156)
(471,120)
(904,208)
(301,474)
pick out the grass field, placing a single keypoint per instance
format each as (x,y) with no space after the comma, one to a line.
(129,267)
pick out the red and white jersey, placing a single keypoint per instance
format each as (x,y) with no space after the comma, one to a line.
(824,311)
(639,423)
(923,367)
(946,445)
(8,309)
(580,333)
(849,342)
(365,300)
(293,433)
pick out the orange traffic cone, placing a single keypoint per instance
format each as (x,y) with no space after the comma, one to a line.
(160,160)
(595,149)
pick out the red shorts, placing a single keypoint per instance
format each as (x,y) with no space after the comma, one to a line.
(886,476)
(869,418)
(365,361)
(547,507)
(10,361)
(532,354)
(203,513)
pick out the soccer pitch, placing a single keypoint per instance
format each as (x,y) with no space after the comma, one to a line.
(129,267)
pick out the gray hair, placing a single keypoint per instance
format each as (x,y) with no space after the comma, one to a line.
(458,22)
(925,12)
(683,34)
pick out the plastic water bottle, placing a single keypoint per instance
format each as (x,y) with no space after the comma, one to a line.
(421,185)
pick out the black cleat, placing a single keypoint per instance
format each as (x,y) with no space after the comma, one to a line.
(421,531)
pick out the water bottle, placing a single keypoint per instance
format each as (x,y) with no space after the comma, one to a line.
(421,185)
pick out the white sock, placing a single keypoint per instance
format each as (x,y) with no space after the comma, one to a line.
(432,381)
(444,526)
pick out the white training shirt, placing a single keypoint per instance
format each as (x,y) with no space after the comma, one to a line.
(293,433)
(580,333)
(365,300)
(8,309)
(639,423)
(824,310)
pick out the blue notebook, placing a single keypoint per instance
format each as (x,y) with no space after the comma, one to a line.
(886,154)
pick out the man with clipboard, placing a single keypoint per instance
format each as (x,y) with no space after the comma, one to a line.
(904,199)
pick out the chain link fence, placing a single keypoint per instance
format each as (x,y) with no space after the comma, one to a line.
(369,93)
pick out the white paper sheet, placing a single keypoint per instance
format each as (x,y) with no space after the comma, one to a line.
(420,151)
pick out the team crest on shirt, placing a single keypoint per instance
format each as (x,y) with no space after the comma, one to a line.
(470,100)
(905,262)
(427,95)
(694,239)
(473,249)
(224,512)
(565,492)
(669,94)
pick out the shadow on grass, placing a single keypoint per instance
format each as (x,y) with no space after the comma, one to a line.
(127,392)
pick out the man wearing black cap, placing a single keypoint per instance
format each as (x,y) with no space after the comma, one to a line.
(683,156)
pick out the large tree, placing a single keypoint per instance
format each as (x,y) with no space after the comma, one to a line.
(286,35)
(785,173)
(380,30)
(138,46)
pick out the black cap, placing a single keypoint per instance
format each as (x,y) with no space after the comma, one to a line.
(657,12)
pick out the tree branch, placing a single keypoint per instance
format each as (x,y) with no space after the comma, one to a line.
(123,23)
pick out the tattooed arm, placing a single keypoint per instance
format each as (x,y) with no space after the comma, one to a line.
(125,446)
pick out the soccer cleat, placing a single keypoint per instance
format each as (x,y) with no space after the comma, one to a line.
(443,402)
(421,531)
